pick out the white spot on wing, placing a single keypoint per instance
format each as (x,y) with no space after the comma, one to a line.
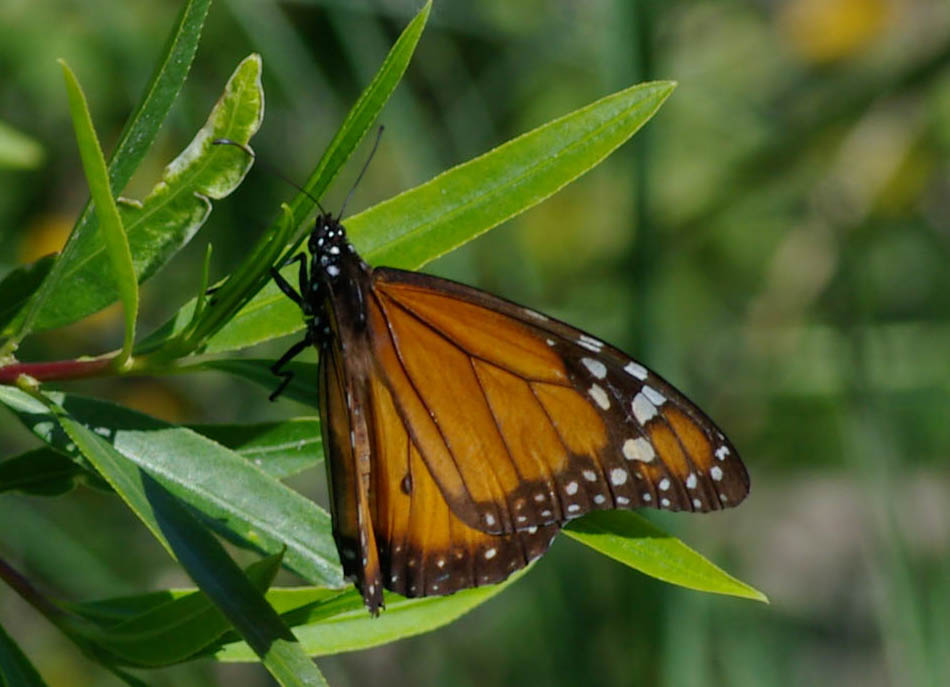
(489,519)
(638,449)
(333,270)
(618,476)
(622,500)
(636,370)
(691,481)
(590,475)
(570,488)
(646,498)
(573,508)
(664,484)
(722,452)
(716,473)
(597,368)
(599,499)
(490,553)
(600,396)
(697,503)
(643,410)
(656,398)
(590,343)
(665,503)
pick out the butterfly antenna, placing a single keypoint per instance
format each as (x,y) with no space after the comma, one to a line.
(379,135)
(270,168)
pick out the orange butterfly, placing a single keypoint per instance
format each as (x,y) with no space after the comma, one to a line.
(463,430)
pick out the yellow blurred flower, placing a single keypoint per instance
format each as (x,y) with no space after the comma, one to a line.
(47,234)
(828,30)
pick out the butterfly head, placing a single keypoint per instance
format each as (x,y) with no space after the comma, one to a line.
(329,248)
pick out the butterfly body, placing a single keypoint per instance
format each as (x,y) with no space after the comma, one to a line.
(462,430)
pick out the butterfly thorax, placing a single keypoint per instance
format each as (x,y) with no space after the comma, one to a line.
(339,280)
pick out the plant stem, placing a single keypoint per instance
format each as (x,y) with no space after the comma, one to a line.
(29,593)
(57,369)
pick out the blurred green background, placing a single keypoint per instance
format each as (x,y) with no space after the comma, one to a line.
(775,243)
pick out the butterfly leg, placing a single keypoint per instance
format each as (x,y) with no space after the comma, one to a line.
(287,375)
(303,280)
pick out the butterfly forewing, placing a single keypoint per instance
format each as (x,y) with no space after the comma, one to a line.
(554,423)
(345,441)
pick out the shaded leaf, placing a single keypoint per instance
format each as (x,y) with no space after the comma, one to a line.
(15,667)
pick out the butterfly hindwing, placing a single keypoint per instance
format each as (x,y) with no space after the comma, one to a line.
(524,421)
(424,548)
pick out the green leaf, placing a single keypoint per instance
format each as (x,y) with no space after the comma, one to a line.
(227,489)
(168,218)
(635,541)
(343,624)
(17,150)
(109,612)
(15,668)
(280,449)
(175,630)
(19,284)
(423,223)
(112,233)
(136,138)
(302,388)
(270,306)
(40,472)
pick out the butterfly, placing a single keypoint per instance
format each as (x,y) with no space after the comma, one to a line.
(462,430)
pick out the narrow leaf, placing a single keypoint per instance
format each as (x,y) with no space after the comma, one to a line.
(362,115)
(421,224)
(228,490)
(302,388)
(112,233)
(280,449)
(136,138)
(40,472)
(175,630)
(352,628)
(15,668)
(18,286)
(635,541)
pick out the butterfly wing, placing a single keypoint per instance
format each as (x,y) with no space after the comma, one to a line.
(424,548)
(346,442)
(523,421)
